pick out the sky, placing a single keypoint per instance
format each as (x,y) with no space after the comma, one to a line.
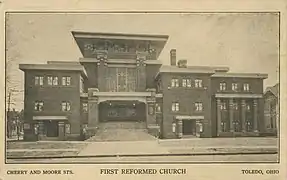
(246,42)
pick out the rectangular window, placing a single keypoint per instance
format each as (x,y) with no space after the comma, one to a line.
(235,106)
(157,108)
(174,83)
(52,80)
(39,80)
(246,87)
(223,126)
(85,107)
(234,86)
(183,82)
(38,106)
(68,128)
(175,107)
(248,107)
(66,81)
(188,82)
(198,83)
(223,106)
(198,106)
(222,86)
(66,106)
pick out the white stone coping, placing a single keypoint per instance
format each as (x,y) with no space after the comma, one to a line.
(123,94)
(241,75)
(221,95)
(50,118)
(186,117)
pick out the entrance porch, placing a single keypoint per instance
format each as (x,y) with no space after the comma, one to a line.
(189,126)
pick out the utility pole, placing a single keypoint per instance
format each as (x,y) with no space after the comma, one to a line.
(8,116)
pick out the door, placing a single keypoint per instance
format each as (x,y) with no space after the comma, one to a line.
(188,127)
(52,128)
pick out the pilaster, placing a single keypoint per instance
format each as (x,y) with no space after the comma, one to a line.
(179,128)
(231,115)
(141,70)
(255,115)
(61,130)
(243,115)
(218,108)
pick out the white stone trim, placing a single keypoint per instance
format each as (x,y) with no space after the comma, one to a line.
(219,95)
(50,118)
(183,117)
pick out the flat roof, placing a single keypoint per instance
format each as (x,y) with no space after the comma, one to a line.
(241,75)
(54,66)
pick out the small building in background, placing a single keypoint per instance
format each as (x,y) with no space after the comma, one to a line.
(271,109)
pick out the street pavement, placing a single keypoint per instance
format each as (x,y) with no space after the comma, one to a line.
(254,158)
(194,149)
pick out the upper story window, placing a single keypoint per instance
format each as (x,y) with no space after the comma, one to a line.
(157,108)
(183,82)
(39,106)
(198,106)
(222,86)
(174,83)
(39,80)
(175,107)
(234,86)
(66,106)
(52,80)
(235,106)
(81,85)
(159,88)
(248,108)
(198,83)
(66,81)
(246,87)
(223,106)
(186,82)
(85,107)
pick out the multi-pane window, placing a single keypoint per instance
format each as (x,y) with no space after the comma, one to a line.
(174,83)
(38,106)
(175,107)
(183,82)
(223,106)
(85,107)
(198,83)
(246,87)
(235,106)
(223,126)
(198,106)
(248,107)
(66,106)
(234,86)
(81,85)
(222,86)
(66,81)
(157,108)
(39,80)
(236,126)
(186,82)
(52,80)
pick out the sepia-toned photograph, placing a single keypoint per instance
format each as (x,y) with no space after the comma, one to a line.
(100,88)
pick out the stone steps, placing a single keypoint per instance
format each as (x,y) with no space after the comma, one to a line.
(121,131)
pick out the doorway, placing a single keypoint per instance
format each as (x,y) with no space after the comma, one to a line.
(52,128)
(188,127)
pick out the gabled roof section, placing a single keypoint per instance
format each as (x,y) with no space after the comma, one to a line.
(273,89)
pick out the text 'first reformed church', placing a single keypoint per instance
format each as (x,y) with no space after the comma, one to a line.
(120,84)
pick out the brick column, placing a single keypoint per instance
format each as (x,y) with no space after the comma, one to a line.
(243,115)
(255,115)
(231,115)
(41,130)
(179,128)
(102,56)
(61,130)
(218,105)
(141,71)
(150,108)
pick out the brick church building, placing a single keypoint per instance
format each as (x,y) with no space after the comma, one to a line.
(120,79)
